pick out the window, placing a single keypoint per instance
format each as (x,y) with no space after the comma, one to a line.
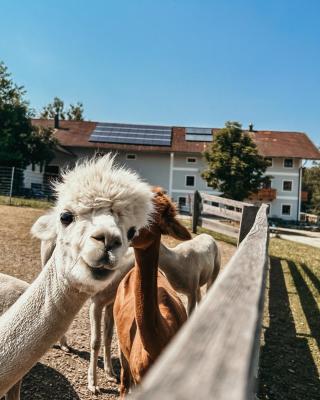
(190,180)
(288,163)
(287,186)
(191,160)
(131,156)
(182,201)
(286,209)
(267,183)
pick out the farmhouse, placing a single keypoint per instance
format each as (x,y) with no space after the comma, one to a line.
(171,157)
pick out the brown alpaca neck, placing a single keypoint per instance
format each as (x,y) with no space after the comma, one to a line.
(147,314)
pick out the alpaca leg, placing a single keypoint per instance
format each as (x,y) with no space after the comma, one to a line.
(216,270)
(14,392)
(64,344)
(125,377)
(95,343)
(198,295)
(191,302)
(108,332)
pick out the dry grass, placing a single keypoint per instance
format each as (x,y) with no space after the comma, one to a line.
(22,202)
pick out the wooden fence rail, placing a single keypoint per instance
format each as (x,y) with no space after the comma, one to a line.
(215,355)
(242,212)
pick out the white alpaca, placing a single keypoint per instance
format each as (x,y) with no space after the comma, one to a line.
(98,210)
(10,290)
(190,265)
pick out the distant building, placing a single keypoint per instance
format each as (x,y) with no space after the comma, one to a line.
(171,157)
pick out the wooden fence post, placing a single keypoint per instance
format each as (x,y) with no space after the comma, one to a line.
(247,220)
(196,211)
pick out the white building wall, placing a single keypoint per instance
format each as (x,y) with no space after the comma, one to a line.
(32,176)
(170,172)
(182,168)
(280,174)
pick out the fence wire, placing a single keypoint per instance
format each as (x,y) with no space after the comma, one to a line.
(25,183)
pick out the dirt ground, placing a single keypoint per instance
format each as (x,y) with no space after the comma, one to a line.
(58,375)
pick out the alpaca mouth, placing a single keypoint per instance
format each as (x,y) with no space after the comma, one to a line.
(100,273)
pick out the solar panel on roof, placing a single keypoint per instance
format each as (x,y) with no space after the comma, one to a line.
(198,135)
(148,135)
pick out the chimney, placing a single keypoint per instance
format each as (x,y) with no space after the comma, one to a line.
(56,121)
(251,127)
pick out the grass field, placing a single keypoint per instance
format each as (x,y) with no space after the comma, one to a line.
(22,202)
(290,356)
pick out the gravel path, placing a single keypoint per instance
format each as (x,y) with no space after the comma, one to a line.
(58,375)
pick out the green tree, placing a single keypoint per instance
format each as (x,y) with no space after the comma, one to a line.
(74,112)
(234,166)
(54,108)
(21,143)
(311,184)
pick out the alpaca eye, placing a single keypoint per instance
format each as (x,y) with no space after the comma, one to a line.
(66,218)
(131,232)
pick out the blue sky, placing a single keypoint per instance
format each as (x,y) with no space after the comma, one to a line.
(183,62)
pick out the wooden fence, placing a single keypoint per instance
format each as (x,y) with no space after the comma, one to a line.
(206,205)
(215,355)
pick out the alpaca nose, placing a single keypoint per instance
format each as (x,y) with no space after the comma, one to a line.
(113,243)
(110,242)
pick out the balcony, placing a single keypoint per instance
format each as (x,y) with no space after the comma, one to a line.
(304,196)
(264,195)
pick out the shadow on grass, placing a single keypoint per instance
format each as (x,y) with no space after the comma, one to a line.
(44,383)
(308,302)
(312,277)
(287,369)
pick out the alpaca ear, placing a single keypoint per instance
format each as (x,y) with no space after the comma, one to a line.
(45,227)
(175,229)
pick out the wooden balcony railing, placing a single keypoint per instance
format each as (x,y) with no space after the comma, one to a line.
(264,195)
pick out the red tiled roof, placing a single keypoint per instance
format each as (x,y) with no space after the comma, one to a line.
(269,143)
(285,144)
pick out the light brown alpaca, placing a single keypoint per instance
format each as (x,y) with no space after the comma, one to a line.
(147,311)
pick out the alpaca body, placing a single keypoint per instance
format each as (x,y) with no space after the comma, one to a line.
(138,353)
(99,207)
(147,311)
(10,290)
(190,265)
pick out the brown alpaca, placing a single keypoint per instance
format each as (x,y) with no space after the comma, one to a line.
(147,311)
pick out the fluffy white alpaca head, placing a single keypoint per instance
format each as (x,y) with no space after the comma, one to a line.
(99,208)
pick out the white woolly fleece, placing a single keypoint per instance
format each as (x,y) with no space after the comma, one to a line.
(100,183)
